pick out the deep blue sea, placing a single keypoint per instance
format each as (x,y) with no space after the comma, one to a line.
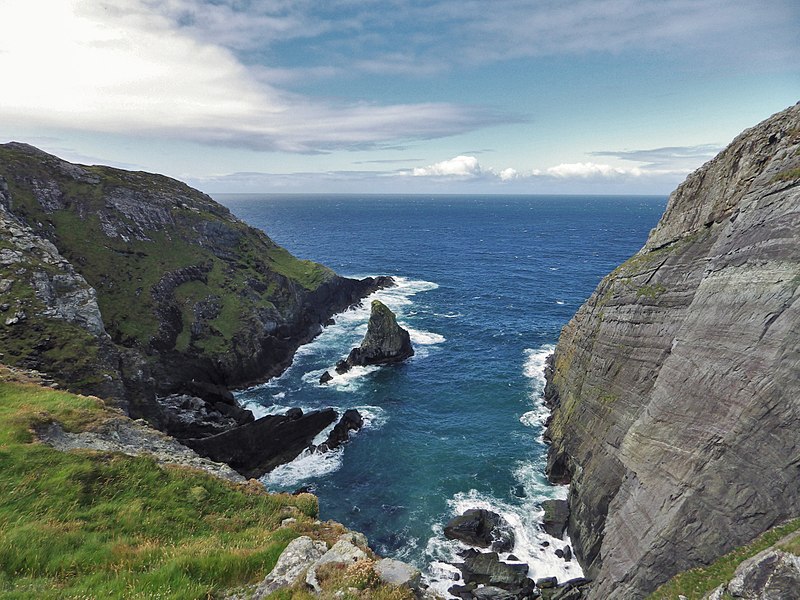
(485,284)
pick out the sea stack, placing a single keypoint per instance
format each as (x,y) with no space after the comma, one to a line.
(385,343)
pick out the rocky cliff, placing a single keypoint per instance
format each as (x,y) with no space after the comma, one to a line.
(128,284)
(676,387)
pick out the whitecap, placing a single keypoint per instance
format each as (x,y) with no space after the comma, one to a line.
(559,302)
(307,465)
(535,361)
(524,520)
(424,338)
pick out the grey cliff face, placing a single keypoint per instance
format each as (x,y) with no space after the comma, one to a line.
(675,387)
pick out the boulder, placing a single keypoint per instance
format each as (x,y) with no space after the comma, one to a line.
(293,562)
(398,573)
(294,413)
(351,421)
(771,574)
(342,367)
(547,582)
(486,568)
(489,592)
(482,528)
(325,378)
(385,342)
(343,552)
(556,515)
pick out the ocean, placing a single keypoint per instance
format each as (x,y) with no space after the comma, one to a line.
(484,285)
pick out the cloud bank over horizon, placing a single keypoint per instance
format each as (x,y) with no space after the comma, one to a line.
(207,90)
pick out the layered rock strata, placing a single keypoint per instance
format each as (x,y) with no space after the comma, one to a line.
(675,388)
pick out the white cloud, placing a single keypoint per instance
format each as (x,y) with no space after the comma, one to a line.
(508,173)
(461,166)
(585,170)
(468,167)
(116,66)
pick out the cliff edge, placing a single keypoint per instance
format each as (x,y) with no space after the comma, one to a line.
(129,285)
(675,388)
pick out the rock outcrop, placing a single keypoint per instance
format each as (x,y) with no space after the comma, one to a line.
(384,343)
(773,574)
(258,447)
(482,528)
(127,285)
(675,388)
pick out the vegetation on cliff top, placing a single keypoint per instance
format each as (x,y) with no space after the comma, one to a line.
(174,271)
(87,524)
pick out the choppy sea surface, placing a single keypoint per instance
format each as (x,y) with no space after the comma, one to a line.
(484,285)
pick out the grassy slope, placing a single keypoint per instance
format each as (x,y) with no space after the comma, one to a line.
(82,524)
(104,525)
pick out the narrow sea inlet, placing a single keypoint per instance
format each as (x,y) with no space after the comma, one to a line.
(485,284)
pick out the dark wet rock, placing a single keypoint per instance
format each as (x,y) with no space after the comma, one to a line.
(559,553)
(490,592)
(547,582)
(385,342)
(463,591)
(556,516)
(329,322)
(210,392)
(183,416)
(258,447)
(487,568)
(567,553)
(567,593)
(325,378)
(342,367)
(294,413)
(351,421)
(544,544)
(511,557)
(482,528)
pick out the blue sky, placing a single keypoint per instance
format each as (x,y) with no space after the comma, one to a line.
(390,96)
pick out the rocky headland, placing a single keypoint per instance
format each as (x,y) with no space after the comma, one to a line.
(143,291)
(675,388)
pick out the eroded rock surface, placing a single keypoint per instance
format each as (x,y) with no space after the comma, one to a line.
(385,342)
(675,387)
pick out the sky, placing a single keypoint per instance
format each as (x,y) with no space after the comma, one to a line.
(397,96)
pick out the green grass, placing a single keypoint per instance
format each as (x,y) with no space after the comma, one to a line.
(89,525)
(307,273)
(695,583)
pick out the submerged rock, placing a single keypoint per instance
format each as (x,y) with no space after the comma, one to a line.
(482,528)
(385,342)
